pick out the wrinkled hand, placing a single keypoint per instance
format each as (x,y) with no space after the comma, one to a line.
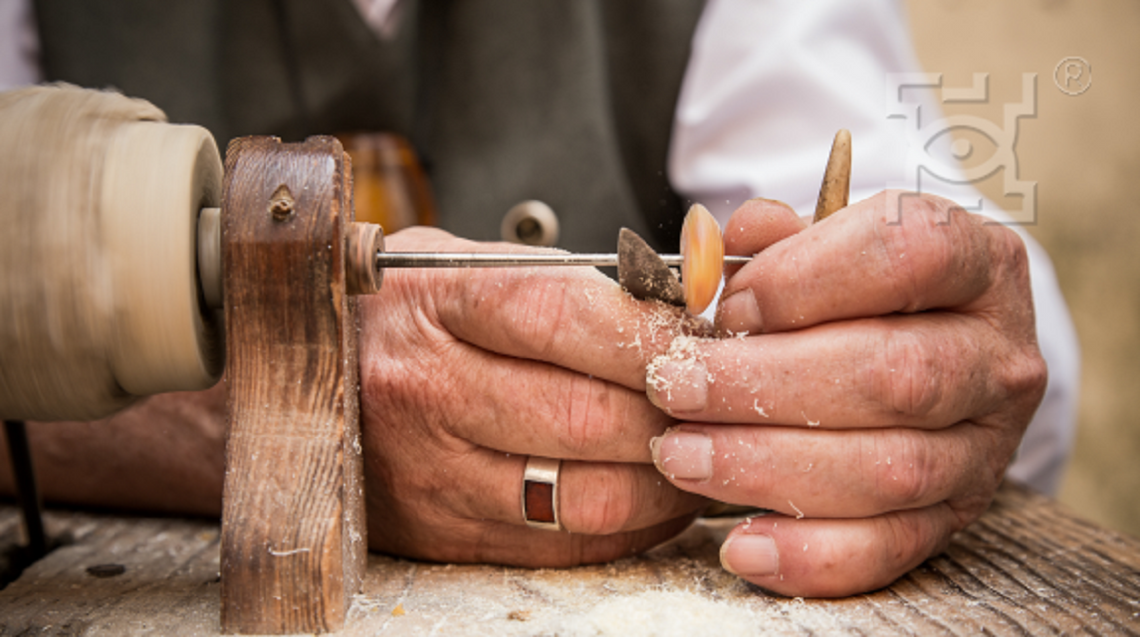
(888,373)
(465,373)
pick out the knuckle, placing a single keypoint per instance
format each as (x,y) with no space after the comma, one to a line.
(1007,251)
(917,249)
(423,236)
(606,505)
(584,412)
(907,379)
(905,477)
(535,316)
(1029,375)
(936,240)
(905,544)
(1011,248)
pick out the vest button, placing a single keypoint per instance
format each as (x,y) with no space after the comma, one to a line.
(531,223)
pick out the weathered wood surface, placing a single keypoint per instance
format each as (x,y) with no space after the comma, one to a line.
(1028,567)
(293,532)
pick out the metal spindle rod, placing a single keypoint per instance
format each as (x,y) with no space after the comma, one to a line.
(506,260)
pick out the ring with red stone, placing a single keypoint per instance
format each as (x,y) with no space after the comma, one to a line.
(540,493)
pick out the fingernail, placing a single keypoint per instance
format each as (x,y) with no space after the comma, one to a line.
(683,454)
(741,313)
(679,386)
(750,555)
(655,450)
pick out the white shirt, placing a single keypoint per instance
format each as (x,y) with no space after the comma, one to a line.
(767,85)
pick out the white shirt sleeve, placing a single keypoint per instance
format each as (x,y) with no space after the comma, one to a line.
(767,86)
(19,45)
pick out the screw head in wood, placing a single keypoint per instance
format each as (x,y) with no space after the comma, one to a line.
(106,570)
(281,204)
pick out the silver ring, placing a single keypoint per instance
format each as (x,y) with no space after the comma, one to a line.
(539,493)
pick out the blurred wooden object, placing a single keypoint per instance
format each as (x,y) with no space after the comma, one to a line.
(836,186)
(99,301)
(389,184)
(293,529)
(1028,566)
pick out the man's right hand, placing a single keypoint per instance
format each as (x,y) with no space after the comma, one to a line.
(467,373)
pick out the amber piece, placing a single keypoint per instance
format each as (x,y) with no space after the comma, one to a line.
(702,247)
(539,501)
(390,186)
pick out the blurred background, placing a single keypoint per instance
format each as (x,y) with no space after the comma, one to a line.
(1084,153)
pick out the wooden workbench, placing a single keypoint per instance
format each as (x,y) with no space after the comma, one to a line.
(1028,566)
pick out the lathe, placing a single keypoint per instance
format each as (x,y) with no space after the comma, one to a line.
(125,240)
(134,263)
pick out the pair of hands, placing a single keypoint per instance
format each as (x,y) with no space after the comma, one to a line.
(887,370)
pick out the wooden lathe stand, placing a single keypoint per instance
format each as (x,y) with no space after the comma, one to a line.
(293,539)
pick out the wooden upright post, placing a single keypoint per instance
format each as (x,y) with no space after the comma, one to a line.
(293,526)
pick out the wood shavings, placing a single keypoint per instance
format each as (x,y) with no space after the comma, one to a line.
(799,514)
(758,409)
(665,614)
(660,326)
(683,350)
(286,553)
(1034,573)
(398,611)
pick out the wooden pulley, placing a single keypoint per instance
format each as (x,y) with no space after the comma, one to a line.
(99,295)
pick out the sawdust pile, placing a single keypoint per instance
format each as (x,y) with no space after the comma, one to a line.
(665,613)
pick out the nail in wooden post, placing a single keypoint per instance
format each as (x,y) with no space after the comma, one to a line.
(293,526)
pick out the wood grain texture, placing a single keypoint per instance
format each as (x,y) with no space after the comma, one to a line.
(1027,567)
(293,534)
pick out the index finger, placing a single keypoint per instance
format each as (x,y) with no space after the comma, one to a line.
(573,317)
(895,252)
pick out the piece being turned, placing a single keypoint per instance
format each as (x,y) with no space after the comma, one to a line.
(646,275)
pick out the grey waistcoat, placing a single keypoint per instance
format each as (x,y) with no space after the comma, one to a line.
(567,101)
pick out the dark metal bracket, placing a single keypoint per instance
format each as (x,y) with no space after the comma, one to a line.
(31,506)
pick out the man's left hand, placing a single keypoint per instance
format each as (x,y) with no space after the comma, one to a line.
(889,369)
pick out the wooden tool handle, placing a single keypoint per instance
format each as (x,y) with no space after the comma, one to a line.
(836,186)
